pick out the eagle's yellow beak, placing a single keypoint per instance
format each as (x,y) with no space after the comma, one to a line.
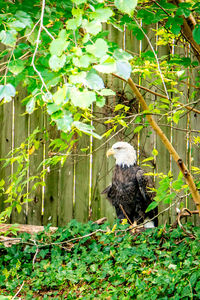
(110,152)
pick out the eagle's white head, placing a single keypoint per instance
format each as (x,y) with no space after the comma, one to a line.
(124,154)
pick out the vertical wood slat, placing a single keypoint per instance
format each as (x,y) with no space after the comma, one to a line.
(5,147)
(20,134)
(35,207)
(81,208)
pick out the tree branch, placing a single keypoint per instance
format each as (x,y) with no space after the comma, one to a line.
(188,177)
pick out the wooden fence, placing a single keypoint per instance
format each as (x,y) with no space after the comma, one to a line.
(74,190)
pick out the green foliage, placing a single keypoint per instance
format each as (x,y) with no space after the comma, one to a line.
(156,264)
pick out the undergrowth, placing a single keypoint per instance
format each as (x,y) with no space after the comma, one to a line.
(156,264)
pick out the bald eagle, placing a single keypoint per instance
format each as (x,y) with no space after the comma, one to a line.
(129,192)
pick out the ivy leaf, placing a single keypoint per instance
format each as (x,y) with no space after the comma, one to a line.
(56,63)
(82,99)
(123,69)
(94,81)
(7,92)
(93,27)
(108,66)
(52,108)
(102,14)
(60,95)
(98,49)
(57,46)
(151,206)
(126,6)
(196,34)
(16,66)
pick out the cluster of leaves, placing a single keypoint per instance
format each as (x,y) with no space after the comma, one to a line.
(160,263)
(16,192)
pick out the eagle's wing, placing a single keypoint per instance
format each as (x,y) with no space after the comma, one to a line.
(145,184)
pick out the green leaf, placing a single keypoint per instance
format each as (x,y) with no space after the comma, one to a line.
(82,99)
(78,2)
(126,6)
(56,63)
(120,54)
(64,123)
(30,106)
(60,95)
(93,27)
(100,101)
(138,129)
(107,92)
(73,24)
(86,128)
(79,78)
(8,37)
(151,206)
(177,115)
(102,14)
(94,81)
(58,46)
(196,33)
(52,108)
(7,92)
(98,49)
(155,152)
(108,66)
(16,66)
(123,69)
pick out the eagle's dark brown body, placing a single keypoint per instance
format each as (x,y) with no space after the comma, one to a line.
(130,189)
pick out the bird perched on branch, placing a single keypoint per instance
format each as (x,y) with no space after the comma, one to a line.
(130,192)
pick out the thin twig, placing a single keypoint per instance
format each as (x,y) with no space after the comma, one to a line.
(125,214)
(18,290)
(37,45)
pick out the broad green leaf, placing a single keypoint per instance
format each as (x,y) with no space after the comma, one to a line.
(73,24)
(17,25)
(64,123)
(24,18)
(151,206)
(79,78)
(94,81)
(120,54)
(106,92)
(86,128)
(196,33)
(58,46)
(123,69)
(93,27)
(30,106)
(16,66)
(98,49)
(8,37)
(60,96)
(108,66)
(84,61)
(78,2)
(82,99)
(52,108)
(56,63)
(7,92)
(100,101)
(102,14)
(126,6)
